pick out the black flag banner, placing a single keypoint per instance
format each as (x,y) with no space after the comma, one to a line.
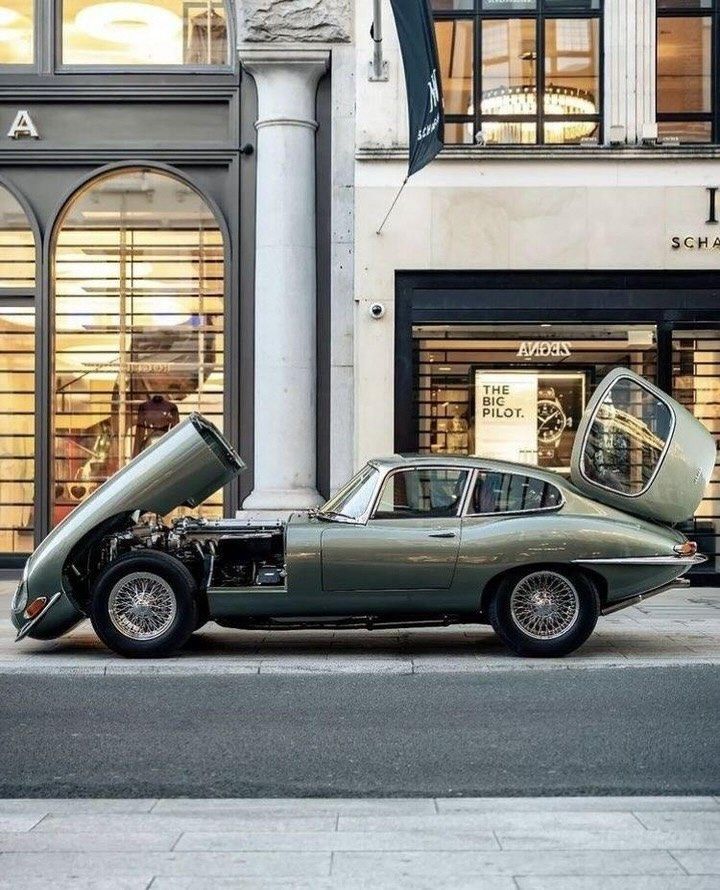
(416,31)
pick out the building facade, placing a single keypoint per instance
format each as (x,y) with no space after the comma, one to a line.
(162,163)
(554,237)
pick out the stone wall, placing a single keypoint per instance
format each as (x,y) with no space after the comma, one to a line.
(296,21)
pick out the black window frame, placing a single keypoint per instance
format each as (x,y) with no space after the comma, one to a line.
(712,117)
(542,12)
(484,472)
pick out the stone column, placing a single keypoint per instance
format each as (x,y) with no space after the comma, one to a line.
(285,277)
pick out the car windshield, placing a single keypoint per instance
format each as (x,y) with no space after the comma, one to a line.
(352,501)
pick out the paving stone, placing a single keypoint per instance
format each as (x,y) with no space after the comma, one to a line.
(354,882)
(307,806)
(20,821)
(666,820)
(74,882)
(700,862)
(587,839)
(626,882)
(391,841)
(129,864)
(568,804)
(99,841)
(75,805)
(447,866)
(177,823)
(493,821)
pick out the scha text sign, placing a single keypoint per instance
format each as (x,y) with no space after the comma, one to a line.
(702,242)
(545,349)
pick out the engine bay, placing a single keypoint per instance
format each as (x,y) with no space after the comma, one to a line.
(223,553)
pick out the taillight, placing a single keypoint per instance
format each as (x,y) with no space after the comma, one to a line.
(35,607)
(688,548)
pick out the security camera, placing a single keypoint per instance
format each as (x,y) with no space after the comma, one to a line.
(377,310)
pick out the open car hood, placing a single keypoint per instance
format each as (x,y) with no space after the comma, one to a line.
(639,450)
(183,468)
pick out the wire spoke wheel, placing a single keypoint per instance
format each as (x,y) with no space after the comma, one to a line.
(544,605)
(142,606)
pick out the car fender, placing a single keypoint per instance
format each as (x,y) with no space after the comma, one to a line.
(492,546)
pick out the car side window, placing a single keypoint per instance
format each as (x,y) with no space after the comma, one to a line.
(421,493)
(512,493)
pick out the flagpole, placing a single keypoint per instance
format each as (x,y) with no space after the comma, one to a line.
(377,70)
(392,206)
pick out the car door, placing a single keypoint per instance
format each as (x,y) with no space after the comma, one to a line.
(409,543)
(639,450)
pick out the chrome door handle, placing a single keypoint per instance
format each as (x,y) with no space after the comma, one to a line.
(441,535)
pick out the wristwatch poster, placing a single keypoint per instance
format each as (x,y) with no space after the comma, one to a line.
(529,415)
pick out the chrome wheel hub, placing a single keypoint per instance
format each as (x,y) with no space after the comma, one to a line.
(544,605)
(142,606)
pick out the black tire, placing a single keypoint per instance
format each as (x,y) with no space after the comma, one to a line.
(506,616)
(177,589)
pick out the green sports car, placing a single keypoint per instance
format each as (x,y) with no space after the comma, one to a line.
(410,540)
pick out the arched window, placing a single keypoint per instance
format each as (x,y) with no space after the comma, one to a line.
(138,280)
(145,32)
(17,377)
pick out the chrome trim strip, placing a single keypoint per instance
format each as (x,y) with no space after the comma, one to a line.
(646,561)
(662,398)
(26,628)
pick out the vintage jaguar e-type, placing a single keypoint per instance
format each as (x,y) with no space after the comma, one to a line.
(408,541)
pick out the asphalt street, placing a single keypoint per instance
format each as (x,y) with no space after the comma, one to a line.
(621,731)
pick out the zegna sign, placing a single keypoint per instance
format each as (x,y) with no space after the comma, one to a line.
(702,242)
(545,349)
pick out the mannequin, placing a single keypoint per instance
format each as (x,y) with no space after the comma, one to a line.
(156,415)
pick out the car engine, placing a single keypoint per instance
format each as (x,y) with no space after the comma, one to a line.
(218,553)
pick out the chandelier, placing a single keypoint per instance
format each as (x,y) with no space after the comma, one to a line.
(522,101)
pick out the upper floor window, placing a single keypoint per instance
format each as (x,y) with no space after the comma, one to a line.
(136,33)
(686,60)
(16,32)
(498,56)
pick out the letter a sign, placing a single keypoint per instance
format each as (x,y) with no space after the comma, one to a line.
(23,127)
(416,32)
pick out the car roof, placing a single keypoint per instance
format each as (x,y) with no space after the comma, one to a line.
(396,461)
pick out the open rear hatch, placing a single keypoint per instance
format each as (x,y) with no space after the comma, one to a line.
(639,450)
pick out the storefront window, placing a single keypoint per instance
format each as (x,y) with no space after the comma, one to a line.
(696,385)
(138,297)
(685,69)
(17,422)
(526,49)
(17,245)
(132,32)
(16,32)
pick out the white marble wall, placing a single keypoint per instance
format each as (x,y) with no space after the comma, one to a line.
(505,214)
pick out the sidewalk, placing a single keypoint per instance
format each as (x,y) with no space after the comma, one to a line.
(486,844)
(679,627)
